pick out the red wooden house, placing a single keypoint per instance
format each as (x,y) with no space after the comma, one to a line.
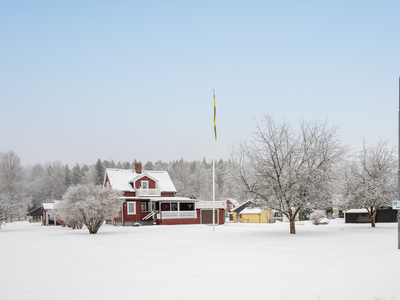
(150,197)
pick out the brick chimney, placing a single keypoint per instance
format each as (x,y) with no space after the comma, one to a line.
(138,168)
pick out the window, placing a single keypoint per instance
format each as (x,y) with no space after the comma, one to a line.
(174,206)
(143,206)
(131,208)
(186,206)
(238,216)
(230,206)
(145,184)
(165,207)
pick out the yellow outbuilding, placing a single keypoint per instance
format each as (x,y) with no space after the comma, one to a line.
(254,215)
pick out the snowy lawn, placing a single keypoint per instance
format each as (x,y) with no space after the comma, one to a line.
(237,261)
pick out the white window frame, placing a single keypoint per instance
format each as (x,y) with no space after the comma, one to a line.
(145,181)
(134,208)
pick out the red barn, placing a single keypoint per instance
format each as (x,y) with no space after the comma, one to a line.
(150,197)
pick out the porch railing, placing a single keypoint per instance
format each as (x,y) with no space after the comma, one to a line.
(177,215)
(148,192)
(150,215)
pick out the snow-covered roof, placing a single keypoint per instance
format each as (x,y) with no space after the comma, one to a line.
(172,199)
(141,175)
(48,206)
(233,201)
(120,179)
(252,211)
(242,206)
(357,211)
(210,204)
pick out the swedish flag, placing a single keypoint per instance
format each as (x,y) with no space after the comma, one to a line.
(215,118)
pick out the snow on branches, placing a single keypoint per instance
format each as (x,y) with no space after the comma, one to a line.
(13,204)
(284,169)
(370,178)
(90,205)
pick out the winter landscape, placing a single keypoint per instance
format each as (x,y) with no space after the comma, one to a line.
(236,261)
(130,130)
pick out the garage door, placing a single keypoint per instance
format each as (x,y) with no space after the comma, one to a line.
(206,216)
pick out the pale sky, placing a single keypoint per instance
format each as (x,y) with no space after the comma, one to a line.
(125,80)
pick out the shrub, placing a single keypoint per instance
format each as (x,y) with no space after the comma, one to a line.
(317,216)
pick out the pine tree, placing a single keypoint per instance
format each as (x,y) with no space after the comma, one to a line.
(149,166)
(99,172)
(76,175)
(68,176)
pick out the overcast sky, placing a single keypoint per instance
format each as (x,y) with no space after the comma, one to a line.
(125,80)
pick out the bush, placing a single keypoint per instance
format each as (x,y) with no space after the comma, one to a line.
(317,216)
(304,213)
(90,205)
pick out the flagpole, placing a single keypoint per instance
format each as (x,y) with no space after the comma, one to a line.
(214,187)
(213,177)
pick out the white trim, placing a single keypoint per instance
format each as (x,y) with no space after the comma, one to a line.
(134,208)
(144,175)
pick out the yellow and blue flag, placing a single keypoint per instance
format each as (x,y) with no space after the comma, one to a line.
(215,118)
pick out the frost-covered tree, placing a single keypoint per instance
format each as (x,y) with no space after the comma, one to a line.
(69,213)
(76,176)
(284,169)
(6,208)
(68,176)
(370,178)
(45,183)
(90,176)
(149,166)
(91,205)
(15,205)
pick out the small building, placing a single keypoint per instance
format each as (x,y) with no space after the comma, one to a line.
(205,208)
(383,215)
(246,214)
(48,214)
(35,215)
(236,212)
(257,215)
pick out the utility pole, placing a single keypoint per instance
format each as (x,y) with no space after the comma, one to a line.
(398,181)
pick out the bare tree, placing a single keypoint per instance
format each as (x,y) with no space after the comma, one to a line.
(370,179)
(284,169)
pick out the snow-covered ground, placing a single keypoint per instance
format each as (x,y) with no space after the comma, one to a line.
(237,261)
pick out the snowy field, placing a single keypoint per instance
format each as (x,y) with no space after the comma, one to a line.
(237,261)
